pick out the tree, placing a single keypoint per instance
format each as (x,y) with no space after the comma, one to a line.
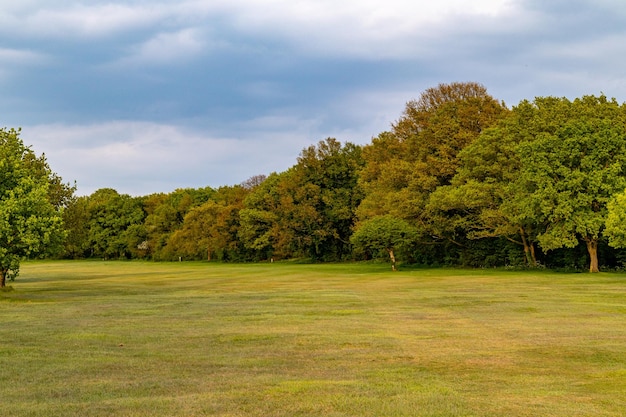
(166,214)
(30,224)
(210,230)
(333,169)
(60,194)
(481,199)
(112,225)
(309,210)
(253,181)
(280,217)
(76,224)
(405,166)
(384,233)
(573,165)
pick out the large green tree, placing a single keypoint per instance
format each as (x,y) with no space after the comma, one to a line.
(76,223)
(482,198)
(112,222)
(333,168)
(545,173)
(573,164)
(30,221)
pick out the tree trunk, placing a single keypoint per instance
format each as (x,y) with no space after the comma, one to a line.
(532,254)
(529,249)
(592,248)
(3,278)
(393,259)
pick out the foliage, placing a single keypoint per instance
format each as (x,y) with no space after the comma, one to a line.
(165,213)
(544,173)
(616,220)
(334,169)
(76,222)
(385,233)
(113,223)
(30,222)
(476,184)
(309,210)
(573,166)
(421,153)
(279,218)
(210,230)
(482,199)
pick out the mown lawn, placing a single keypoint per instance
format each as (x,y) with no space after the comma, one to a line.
(198,339)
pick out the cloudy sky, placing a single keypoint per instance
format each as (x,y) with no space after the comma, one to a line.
(152,95)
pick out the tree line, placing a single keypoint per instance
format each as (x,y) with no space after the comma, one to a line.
(459,179)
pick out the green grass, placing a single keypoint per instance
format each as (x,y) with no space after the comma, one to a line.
(197,339)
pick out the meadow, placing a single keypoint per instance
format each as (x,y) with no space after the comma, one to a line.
(96,338)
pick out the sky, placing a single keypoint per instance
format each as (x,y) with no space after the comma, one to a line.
(148,96)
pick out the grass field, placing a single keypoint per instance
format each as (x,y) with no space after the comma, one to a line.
(198,339)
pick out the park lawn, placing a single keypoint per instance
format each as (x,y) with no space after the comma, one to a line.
(95,338)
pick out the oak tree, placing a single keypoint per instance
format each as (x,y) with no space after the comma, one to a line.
(571,168)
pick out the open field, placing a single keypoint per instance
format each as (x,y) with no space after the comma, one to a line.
(198,339)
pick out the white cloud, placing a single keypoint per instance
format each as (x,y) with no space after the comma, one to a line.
(366,28)
(12,60)
(20,56)
(82,20)
(166,48)
(67,19)
(356,27)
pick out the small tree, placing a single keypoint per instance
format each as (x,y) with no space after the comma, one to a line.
(384,233)
(30,224)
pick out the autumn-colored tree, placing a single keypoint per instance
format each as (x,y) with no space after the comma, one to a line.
(405,166)
(309,210)
(211,230)
(165,213)
(280,217)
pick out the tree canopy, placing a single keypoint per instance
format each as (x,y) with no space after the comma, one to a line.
(30,221)
(572,166)
(405,166)
(459,179)
(385,234)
